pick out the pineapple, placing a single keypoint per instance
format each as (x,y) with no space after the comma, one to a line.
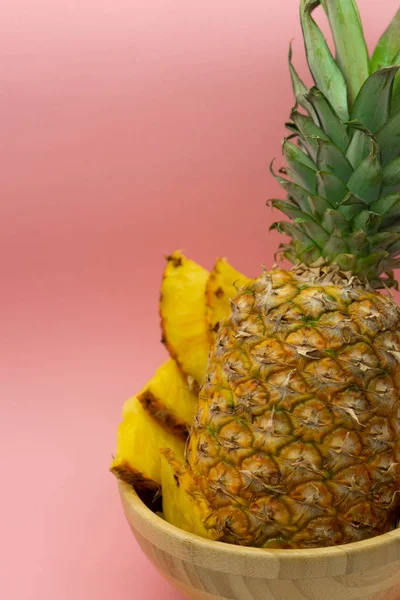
(161,414)
(139,440)
(296,441)
(169,399)
(184,505)
(222,286)
(182,307)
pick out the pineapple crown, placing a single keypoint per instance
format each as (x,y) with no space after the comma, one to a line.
(343,175)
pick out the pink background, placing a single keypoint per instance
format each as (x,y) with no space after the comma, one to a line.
(128,128)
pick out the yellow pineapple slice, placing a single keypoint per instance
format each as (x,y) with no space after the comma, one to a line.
(139,440)
(182,310)
(222,285)
(184,505)
(169,399)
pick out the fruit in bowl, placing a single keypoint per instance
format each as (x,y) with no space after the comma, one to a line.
(273,430)
(152,437)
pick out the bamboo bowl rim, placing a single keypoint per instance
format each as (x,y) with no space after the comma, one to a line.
(356,557)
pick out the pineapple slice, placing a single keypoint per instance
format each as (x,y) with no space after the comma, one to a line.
(184,505)
(139,440)
(182,311)
(169,399)
(222,285)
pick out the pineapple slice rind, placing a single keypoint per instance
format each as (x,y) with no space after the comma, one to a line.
(125,472)
(139,440)
(168,397)
(157,409)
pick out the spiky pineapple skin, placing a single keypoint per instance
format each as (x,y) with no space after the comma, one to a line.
(296,439)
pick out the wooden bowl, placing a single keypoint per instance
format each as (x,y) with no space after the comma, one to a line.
(206,570)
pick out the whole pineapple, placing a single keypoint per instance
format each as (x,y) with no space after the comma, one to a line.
(296,442)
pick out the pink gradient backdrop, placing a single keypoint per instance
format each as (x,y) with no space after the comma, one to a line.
(128,128)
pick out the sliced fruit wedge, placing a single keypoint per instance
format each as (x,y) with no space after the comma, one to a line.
(139,440)
(168,397)
(184,505)
(182,311)
(223,284)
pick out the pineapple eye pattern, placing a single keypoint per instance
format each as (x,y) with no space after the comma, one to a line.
(309,455)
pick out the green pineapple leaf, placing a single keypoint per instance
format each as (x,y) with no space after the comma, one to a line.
(392,215)
(334,246)
(360,145)
(367,265)
(294,191)
(294,232)
(350,206)
(346,262)
(318,206)
(368,221)
(307,256)
(331,187)
(331,159)
(294,153)
(366,181)
(333,219)
(358,243)
(394,226)
(372,105)
(330,122)
(394,249)
(323,67)
(352,200)
(351,50)
(391,177)
(384,240)
(388,45)
(290,126)
(342,178)
(309,131)
(396,88)
(302,166)
(387,205)
(315,232)
(290,210)
(300,89)
(388,138)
